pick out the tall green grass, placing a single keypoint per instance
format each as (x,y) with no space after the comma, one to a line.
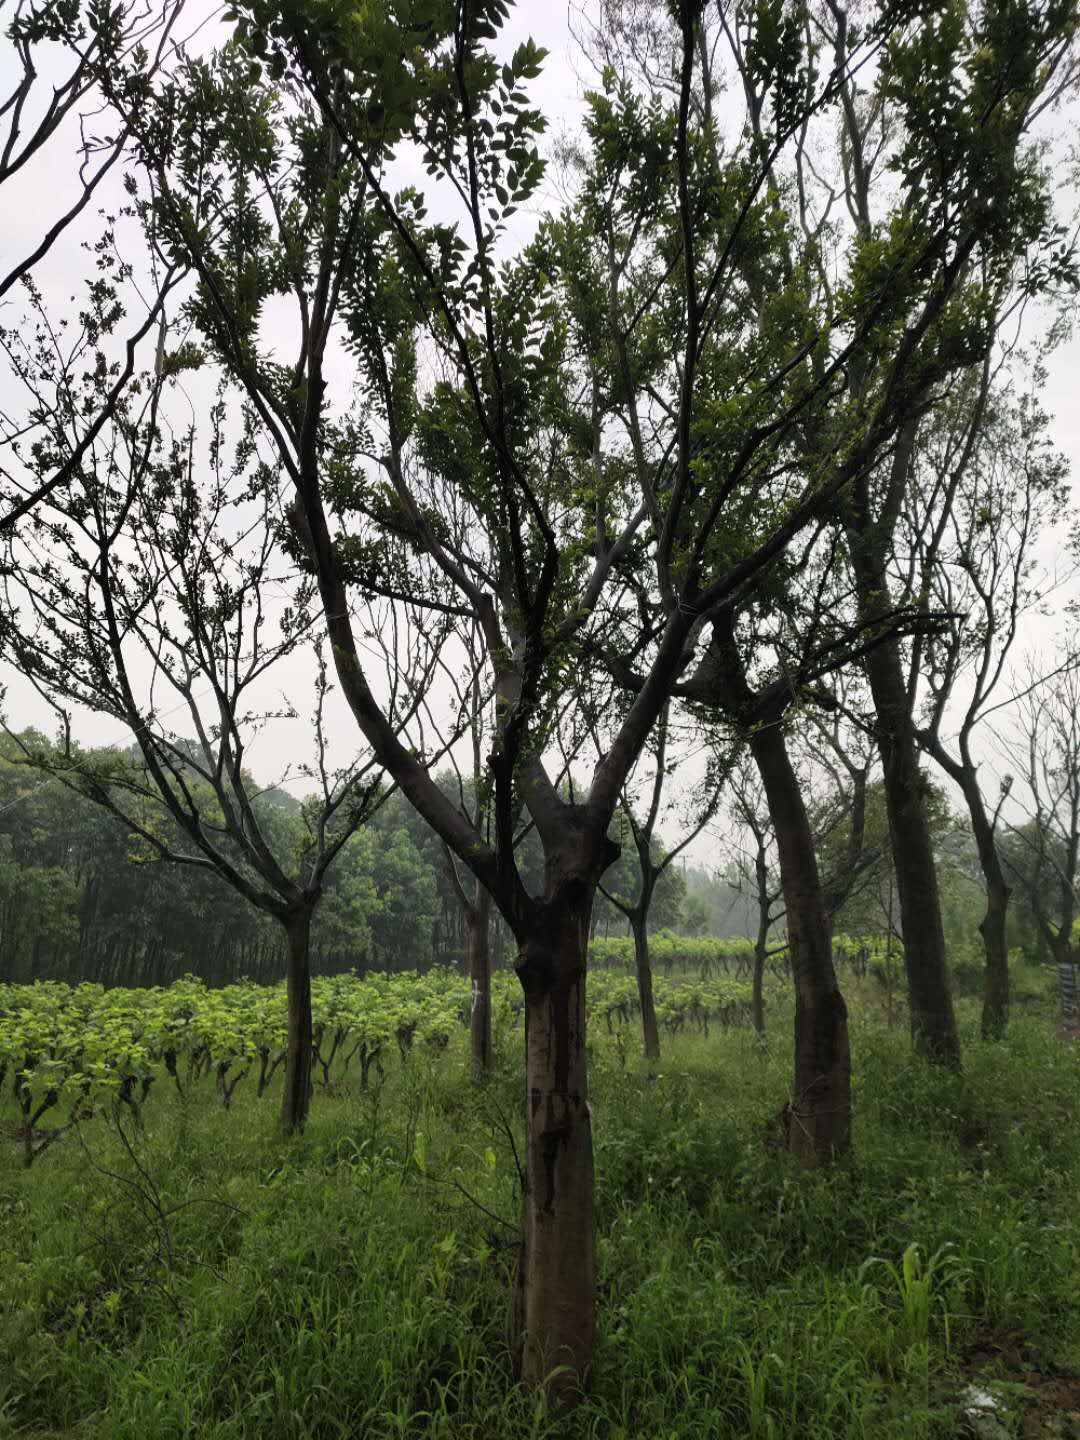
(217,1282)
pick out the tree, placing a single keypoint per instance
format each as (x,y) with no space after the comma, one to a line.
(1001,162)
(651,867)
(913,121)
(757,871)
(71,58)
(1045,786)
(805,239)
(281,192)
(765,656)
(989,485)
(820,1111)
(141,582)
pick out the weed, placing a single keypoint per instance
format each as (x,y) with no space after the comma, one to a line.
(356,1282)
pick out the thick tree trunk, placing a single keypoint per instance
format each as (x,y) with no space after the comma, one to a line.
(557,1279)
(933,1023)
(820,1120)
(478,954)
(296,1093)
(995,1014)
(650,1030)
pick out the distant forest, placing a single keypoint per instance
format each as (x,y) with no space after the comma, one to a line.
(80,901)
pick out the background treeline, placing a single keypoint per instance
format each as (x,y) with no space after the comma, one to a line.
(81,900)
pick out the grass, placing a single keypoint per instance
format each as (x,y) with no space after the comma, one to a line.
(217,1282)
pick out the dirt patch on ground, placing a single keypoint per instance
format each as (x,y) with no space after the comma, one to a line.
(1051,1407)
(1032,1401)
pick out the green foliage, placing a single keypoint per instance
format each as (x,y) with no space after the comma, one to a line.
(667,950)
(344,1284)
(66,1045)
(866,910)
(695,915)
(80,896)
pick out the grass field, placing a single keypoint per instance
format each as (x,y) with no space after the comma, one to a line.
(213,1281)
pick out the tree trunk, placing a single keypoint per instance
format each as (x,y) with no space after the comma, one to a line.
(995,1014)
(650,1030)
(556,1304)
(296,1093)
(889,1008)
(478,953)
(933,1023)
(761,944)
(761,950)
(820,1117)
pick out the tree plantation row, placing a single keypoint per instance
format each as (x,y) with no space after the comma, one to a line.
(686,473)
(69,1049)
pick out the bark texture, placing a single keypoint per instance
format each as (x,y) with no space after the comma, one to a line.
(820,1120)
(870,537)
(933,1023)
(556,1307)
(296,1093)
(761,947)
